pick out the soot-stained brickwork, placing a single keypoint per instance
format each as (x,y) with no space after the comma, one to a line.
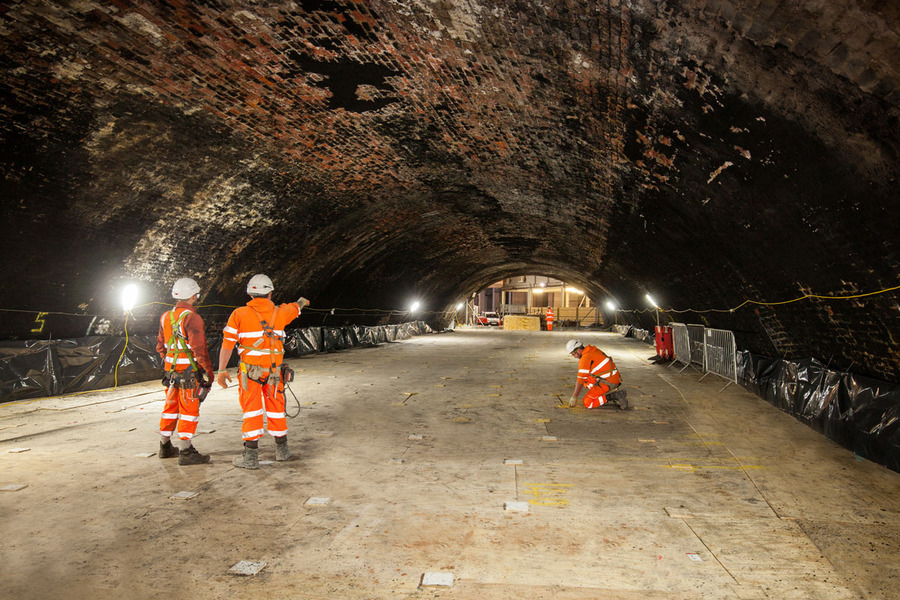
(365,153)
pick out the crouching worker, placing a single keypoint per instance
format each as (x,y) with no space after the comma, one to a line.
(188,373)
(598,373)
(258,331)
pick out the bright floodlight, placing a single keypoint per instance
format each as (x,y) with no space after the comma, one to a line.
(610,305)
(414,306)
(574,290)
(652,301)
(459,306)
(129,297)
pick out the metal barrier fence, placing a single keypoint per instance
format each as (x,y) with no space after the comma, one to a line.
(720,355)
(695,334)
(708,350)
(682,344)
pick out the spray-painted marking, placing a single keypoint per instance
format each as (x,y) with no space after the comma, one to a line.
(548,494)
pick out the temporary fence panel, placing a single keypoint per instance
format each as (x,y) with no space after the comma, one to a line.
(697,339)
(664,347)
(682,344)
(720,355)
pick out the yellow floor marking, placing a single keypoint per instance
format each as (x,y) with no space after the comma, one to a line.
(548,494)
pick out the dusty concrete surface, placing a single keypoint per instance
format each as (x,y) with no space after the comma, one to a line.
(691,493)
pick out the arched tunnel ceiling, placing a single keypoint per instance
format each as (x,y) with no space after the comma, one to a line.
(361,152)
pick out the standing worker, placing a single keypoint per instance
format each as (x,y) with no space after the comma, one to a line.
(258,331)
(598,373)
(550,318)
(181,343)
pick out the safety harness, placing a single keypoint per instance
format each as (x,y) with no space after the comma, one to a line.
(254,372)
(178,345)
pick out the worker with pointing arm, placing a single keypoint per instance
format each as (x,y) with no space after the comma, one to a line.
(257,330)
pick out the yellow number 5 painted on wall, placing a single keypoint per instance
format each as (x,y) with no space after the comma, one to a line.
(39,322)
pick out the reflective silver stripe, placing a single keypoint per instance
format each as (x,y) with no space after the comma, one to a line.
(277,432)
(253,413)
(180,361)
(165,433)
(184,435)
(583,371)
(597,368)
(608,375)
(249,434)
(275,415)
(251,334)
(230,330)
(189,418)
(172,416)
(259,352)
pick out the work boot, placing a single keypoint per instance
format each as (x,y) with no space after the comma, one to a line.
(167,450)
(190,456)
(249,459)
(619,398)
(282,452)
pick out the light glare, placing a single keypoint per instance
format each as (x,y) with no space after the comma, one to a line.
(129,297)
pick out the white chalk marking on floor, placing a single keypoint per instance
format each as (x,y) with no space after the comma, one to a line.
(437,578)
(318,501)
(265,463)
(694,556)
(13,487)
(182,495)
(145,454)
(646,441)
(549,438)
(416,436)
(247,567)
(324,433)
(19,450)
(513,461)
(515,506)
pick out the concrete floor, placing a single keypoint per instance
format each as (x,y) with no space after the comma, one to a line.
(692,493)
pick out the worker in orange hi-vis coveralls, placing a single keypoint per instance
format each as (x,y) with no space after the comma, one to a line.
(188,372)
(550,319)
(598,373)
(258,331)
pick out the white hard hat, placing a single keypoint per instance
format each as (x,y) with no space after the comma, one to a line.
(573,345)
(260,285)
(184,288)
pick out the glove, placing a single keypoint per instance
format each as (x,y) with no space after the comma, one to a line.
(303,302)
(573,401)
(222,377)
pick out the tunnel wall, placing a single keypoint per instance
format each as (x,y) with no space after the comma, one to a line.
(34,369)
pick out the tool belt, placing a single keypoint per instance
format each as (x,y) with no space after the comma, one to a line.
(184,380)
(248,372)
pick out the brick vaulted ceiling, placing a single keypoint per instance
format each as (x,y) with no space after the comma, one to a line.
(364,152)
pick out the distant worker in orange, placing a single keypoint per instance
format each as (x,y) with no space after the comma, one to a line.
(258,331)
(550,319)
(181,343)
(598,373)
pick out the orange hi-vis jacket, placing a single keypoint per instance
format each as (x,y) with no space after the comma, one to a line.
(594,362)
(550,317)
(258,331)
(189,338)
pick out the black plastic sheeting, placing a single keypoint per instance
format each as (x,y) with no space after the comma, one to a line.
(857,412)
(34,369)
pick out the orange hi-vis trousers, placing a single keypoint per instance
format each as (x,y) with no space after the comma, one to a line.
(596,395)
(260,400)
(182,407)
